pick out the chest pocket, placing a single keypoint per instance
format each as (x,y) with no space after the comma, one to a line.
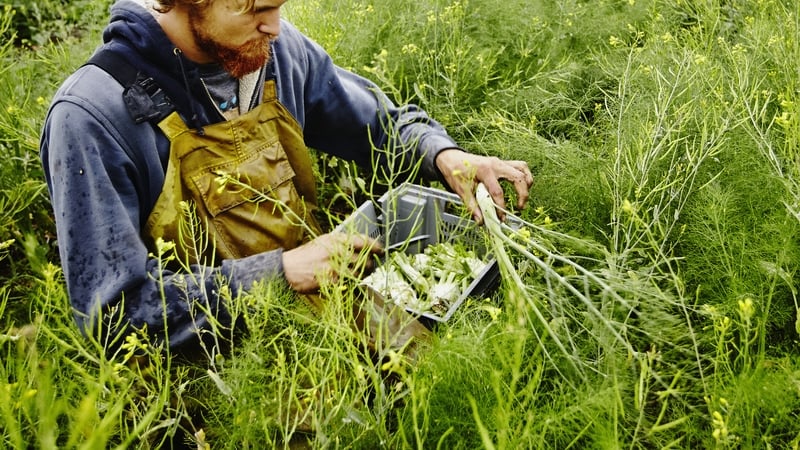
(253,179)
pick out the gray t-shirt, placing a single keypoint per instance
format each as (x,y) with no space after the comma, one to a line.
(222,87)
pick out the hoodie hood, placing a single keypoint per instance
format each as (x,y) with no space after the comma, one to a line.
(134,33)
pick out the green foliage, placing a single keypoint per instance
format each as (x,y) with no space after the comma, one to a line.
(27,81)
(38,22)
(657,305)
(58,388)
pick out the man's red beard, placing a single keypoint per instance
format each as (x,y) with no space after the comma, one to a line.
(238,61)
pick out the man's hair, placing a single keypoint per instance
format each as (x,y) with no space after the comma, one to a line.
(163,6)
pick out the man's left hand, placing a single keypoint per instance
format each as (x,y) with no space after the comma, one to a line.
(463,171)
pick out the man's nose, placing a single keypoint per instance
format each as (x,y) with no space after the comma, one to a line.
(270,22)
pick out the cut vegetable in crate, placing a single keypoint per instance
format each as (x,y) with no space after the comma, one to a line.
(431,281)
(391,285)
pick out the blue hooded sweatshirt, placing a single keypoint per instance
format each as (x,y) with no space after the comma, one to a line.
(105,172)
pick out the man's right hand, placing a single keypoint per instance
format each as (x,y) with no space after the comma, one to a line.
(325,258)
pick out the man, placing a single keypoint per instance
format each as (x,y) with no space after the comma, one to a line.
(200,99)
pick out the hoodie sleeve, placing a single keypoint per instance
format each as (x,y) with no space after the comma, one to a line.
(348,116)
(97,194)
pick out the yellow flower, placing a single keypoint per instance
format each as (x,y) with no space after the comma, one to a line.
(494,312)
(131,344)
(784,120)
(394,364)
(360,373)
(746,309)
(628,207)
(720,432)
(700,59)
(410,49)
(163,246)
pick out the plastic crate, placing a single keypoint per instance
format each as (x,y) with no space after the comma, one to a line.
(421,216)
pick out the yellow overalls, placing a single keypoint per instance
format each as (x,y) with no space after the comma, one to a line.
(249,181)
(266,201)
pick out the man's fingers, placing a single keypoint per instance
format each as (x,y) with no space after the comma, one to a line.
(472,205)
(492,185)
(358,253)
(522,182)
(522,166)
(518,173)
(363,243)
(523,192)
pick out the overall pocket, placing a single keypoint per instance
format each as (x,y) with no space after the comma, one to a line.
(249,202)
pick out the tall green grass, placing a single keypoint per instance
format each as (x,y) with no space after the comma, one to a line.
(658,305)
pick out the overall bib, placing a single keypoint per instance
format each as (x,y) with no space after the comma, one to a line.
(239,188)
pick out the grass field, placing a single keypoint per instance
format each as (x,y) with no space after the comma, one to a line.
(650,301)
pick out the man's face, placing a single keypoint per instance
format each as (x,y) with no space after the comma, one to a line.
(239,42)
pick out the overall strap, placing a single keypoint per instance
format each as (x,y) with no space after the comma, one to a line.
(145,100)
(116,66)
